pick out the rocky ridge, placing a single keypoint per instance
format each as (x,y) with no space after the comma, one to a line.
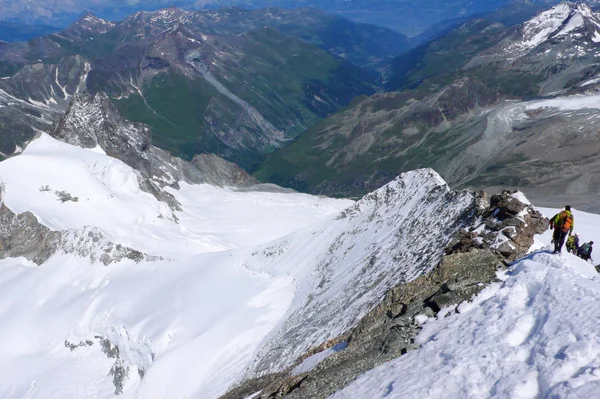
(35,97)
(219,172)
(22,235)
(498,232)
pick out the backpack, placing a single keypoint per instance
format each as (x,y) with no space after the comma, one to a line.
(565,220)
(585,248)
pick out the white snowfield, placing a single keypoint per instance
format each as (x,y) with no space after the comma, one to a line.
(191,321)
(249,281)
(214,219)
(534,335)
(567,103)
(247,274)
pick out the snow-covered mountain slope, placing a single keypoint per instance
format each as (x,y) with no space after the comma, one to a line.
(557,49)
(547,33)
(577,20)
(533,335)
(92,122)
(392,235)
(241,282)
(109,197)
(188,321)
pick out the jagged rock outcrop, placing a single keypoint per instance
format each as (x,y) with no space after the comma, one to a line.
(506,229)
(23,236)
(121,368)
(498,233)
(95,122)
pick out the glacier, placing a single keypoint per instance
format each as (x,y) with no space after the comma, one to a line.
(229,289)
(241,283)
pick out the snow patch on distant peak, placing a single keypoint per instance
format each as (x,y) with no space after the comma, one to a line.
(558,22)
(538,29)
(575,22)
(92,22)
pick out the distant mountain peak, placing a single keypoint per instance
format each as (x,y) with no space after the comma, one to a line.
(561,21)
(566,31)
(89,22)
(166,16)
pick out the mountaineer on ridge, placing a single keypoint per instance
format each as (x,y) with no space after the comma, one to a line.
(562,223)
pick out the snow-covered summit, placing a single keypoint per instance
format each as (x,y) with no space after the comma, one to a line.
(563,22)
(162,18)
(538,29)
(90,23)
(369,248)
(567,31)
(566,21)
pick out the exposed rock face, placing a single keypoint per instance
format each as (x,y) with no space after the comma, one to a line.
(220,172)
(500,232)
(506,229)
(120,370)
(94,121)
(22,235)
(33,99)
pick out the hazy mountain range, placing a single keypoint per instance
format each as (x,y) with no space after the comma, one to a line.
(487,104)
(146,253)
(336,107)
(234,82)
(410,17)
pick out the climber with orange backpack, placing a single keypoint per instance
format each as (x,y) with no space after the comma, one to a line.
(562,223)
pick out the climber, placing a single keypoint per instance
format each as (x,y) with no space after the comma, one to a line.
(573,243)
(585,251)
(562,223)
